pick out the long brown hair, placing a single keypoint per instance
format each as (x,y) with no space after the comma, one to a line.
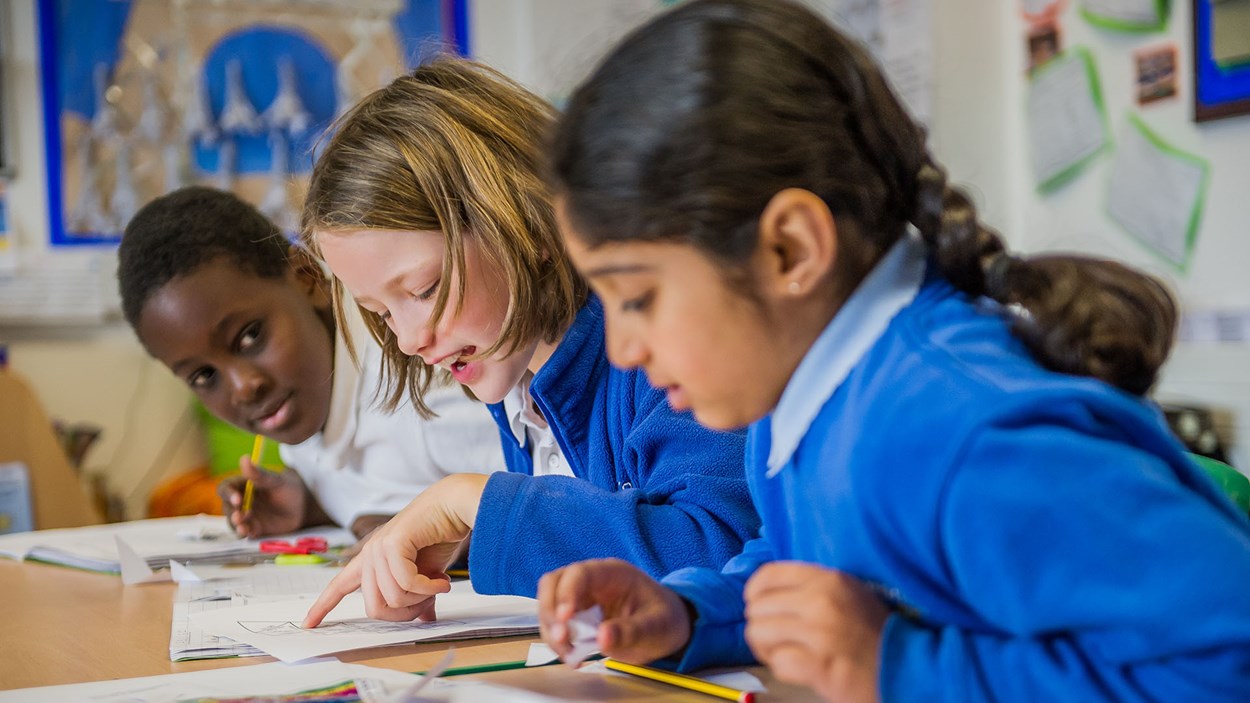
(687,130)
(453,147)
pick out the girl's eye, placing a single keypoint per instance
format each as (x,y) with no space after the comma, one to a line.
(639,304)
(201,378)
(249,337)
(428,292)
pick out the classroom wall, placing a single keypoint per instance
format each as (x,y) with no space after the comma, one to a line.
(1073,218)
(97,374)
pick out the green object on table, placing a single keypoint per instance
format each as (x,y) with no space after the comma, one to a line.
(484,668)
(1234,484)
(226,443)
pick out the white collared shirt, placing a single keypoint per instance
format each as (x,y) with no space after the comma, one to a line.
(891,286)
(526,422)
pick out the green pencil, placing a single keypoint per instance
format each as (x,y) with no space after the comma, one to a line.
(500,666)
(483,668)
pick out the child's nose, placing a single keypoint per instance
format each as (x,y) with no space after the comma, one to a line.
(247,384)
(625,350)
(413,339)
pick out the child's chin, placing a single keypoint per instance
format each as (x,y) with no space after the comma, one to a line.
(721,419)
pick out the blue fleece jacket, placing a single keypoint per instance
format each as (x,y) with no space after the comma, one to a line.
(652,486)
(1045,535)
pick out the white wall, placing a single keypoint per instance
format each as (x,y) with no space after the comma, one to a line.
(99,375)
(1074,218)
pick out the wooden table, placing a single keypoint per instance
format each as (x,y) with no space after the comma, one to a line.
(64,626)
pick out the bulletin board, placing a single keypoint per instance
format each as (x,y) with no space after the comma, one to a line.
(141,97)
(1221,53)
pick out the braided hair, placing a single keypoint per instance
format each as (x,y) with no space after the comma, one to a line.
(690,127)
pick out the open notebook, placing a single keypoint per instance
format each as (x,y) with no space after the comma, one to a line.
(256,584)
(94,548)
(273,625)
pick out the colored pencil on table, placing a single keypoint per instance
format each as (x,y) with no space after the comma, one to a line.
(689,683)
(258,448)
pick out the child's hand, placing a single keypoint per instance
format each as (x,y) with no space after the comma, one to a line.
(816,627)
(642,620)
(402,565)
(279,501)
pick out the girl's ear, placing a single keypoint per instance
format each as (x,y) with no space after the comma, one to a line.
(799,242)
(310,277)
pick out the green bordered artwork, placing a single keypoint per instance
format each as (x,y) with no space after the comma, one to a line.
(1164,211)
(1138,16)
(1067,118)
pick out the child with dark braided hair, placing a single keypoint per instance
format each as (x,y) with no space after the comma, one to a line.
(965,494)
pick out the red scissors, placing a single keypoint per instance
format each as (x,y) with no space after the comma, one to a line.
(303,545)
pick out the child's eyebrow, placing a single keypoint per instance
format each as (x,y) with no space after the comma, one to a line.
(615,269)
(219,331)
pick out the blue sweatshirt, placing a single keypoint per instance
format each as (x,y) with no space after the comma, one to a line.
(1041,537)
(652,486)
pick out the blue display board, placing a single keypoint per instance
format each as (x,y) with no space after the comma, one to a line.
(1220,89)
(85,41)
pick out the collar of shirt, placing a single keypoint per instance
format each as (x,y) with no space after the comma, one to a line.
(886,290)
(519,409)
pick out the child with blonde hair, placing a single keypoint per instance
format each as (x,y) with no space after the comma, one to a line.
(429,206)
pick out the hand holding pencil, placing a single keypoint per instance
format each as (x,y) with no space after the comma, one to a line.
(278,503)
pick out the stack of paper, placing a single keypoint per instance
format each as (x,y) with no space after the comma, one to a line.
(193,538)
(273,626)
(274,681)
(157,541)
(315,682)
(259,583)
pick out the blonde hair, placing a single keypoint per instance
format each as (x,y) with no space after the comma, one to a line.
(454,147)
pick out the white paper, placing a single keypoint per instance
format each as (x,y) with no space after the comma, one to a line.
(259,680)
(409,695)
(1153,194)
(1135,12)
(899,33)
(741,680)
(251,584)
(190,538)
(134,568)
(907,53)
(275,627)
(181,573)
(584,635)
(1066,124)
(95,548)
(565,39)
(541,655)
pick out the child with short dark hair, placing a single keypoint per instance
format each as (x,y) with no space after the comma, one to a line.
(965,496)
(218,295)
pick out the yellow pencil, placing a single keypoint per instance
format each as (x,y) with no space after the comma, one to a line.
(682,681)
(258,448)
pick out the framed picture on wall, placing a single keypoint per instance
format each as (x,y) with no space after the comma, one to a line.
(1221,44)
(141,98)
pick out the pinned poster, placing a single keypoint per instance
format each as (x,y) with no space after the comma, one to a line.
(1157,193)
(1042,11)
(1126,15)
(1067,120)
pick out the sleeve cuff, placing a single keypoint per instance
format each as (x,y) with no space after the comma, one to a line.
(492,538)
(717,636)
